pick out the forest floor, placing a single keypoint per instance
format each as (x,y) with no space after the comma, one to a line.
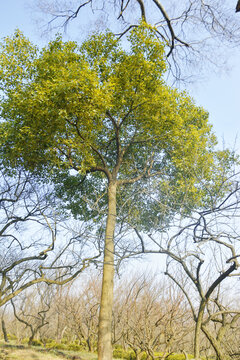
(20,352)
(13,351)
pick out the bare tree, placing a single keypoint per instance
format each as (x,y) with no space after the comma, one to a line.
(82,311)
(149,317)
(220,323)
(32,310)
(4,330)
(194,31)
(203,251)
(29,227)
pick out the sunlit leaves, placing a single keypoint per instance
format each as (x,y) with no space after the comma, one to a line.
(104,106)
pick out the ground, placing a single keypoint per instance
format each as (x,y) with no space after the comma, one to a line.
(12,352)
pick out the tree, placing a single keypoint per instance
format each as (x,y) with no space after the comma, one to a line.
(102,121)
(33,310)
(4,330)
(30,250)
(238,6)
(202,254)
(150,316)
(220,324)
(80,311)
(194,32)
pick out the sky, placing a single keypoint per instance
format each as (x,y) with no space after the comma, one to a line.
(218,94)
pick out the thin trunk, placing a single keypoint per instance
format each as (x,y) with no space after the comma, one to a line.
(90,344)
(138,353)
(62,333)
(137,356)
(105,316)
(30,341)
(198,330)
(221,355)
(4,331)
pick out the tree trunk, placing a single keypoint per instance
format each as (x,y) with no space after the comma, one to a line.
(198,330)
(30,341)
(105,316)
(220,353)
(4,331)
(138,353)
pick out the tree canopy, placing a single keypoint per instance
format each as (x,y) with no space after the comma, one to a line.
(99,119)
(98,108)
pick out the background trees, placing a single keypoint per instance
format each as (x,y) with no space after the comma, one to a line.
(150,316)
(23,254)
(81,312)
(141,300)
(33,310)
(31,237)
(202,255)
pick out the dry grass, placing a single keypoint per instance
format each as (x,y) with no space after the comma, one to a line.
(26,354)
(15,352)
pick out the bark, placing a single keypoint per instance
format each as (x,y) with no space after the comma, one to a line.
(137,353)
(105,316)
(4,331)
(198,330)
(199,322)
(221,355)
(30,341)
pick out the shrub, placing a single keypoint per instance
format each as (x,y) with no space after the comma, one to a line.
(11,337)
(178,357)
(120,353)
(25,341)
(75,347)
(36,342)
(54,345)
(64,341)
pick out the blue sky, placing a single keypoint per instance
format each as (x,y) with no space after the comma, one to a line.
(219,94)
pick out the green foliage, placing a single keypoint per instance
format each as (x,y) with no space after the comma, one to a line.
(178,357)
(63,345)
(25,340)
(55,345)
(75,347)
(73,189)
(120,353)
(37,342)
(64,341)
(12,337)
(104,111)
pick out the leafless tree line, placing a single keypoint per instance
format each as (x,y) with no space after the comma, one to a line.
(188,311)
(202,257)
(150,317)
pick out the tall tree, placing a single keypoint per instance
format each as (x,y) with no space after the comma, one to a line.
(102,121)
